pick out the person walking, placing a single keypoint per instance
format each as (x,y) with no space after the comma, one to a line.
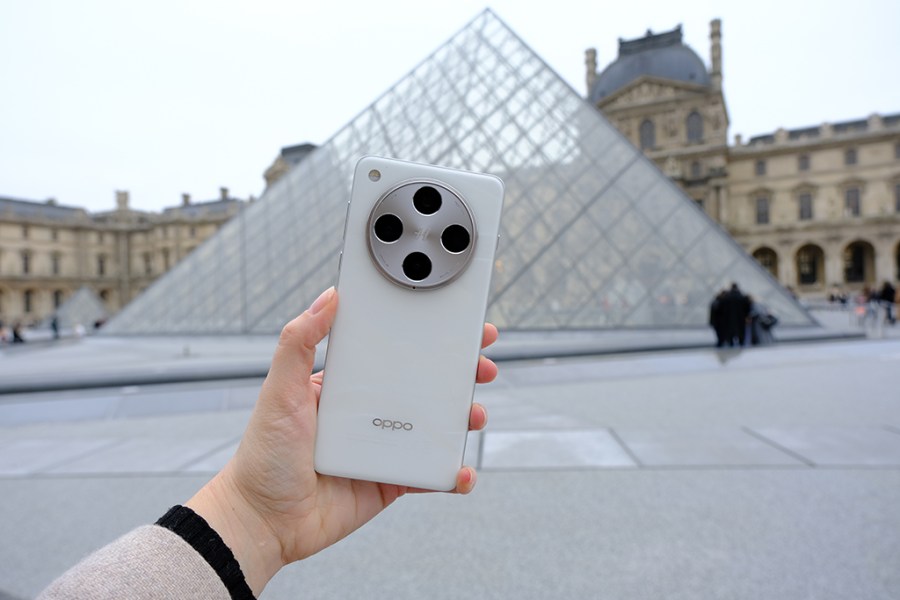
(735,308)
(888,297)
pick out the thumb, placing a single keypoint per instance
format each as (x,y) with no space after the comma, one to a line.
(296,351)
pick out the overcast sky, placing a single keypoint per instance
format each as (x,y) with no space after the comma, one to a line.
(169,97)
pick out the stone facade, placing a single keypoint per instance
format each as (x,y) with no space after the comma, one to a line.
(819,207)
(48,251)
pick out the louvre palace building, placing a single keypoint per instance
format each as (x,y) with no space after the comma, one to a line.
(817,206)
(49,252)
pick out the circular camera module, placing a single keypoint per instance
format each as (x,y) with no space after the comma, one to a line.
(417,266)
(388,228)
(427,200)
(421,234)
(455,239)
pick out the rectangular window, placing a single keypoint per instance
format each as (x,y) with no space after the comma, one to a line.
(24,232)
(101,266)
(806,208)
(54,264)
(760,167)
(27,300)
(850,156)
(803,162)
(762,210)
(897,198)
(26,263)
(851,202)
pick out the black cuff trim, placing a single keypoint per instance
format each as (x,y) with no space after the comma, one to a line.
(196,531)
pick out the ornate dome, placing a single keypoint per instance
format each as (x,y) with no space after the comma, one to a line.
(659,55)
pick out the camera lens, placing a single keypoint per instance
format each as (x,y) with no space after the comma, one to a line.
(427,200)
(388,228)
(417,266)
(455,239)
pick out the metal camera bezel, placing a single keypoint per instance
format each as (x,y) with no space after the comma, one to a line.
(461,259)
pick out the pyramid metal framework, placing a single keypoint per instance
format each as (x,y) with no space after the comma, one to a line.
(593,234)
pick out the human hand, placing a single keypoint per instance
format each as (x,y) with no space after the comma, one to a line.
(269,504)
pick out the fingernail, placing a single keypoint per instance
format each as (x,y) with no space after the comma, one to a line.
(321,301)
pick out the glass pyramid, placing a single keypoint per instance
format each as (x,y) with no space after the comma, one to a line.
(593,236)
(83,308)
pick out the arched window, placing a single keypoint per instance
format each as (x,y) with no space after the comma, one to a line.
(897,262)
(695,127)
(810,261)
(648,135)
(768,259)
(859,263)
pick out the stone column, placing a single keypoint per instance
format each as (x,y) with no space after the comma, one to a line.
(787,264)
(834,263)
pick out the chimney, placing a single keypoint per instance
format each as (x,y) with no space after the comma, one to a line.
(590,63)
(122,199)
(223,193)
(715,53)
(185,199)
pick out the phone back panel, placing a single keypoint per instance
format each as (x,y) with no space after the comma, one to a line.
(401,362)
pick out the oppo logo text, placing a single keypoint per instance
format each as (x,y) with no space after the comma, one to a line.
(392,425)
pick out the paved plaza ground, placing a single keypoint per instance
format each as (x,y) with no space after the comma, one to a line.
(758,473)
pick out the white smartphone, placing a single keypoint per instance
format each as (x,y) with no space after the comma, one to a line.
(413,284)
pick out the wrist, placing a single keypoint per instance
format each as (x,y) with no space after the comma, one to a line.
(253,543)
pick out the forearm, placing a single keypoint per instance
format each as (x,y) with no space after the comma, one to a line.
(256,548)
(148,563)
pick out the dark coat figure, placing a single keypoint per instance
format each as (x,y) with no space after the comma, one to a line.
(735,308)
(888,296)
(715,319)
(17,334)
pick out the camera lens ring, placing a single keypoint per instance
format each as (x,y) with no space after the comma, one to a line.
(455,239)
(427,200)
(417,266)
(388,228)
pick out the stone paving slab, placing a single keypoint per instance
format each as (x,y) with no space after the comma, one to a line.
(845,446)
(708,447)
(552,450)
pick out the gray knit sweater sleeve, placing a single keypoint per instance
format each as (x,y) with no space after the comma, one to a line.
(151,562)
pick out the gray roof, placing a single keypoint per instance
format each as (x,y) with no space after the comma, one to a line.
(31,209)
(658,55)
(839,128)
(196,209)
(294,154)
